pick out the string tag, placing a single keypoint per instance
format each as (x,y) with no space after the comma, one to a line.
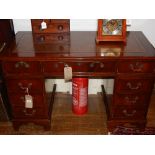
(43,25)
(67,73)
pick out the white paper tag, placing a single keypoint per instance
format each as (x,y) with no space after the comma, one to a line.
(67,73)
(43,25)
(28,101)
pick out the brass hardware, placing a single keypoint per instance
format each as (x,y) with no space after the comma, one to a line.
(2,47)
(25,88)
(129,114)
(129,85)
(60,37)
(22,64)
(97,62)
(60,27)
(138,67)
(131,101)
(29,114)
(42,38)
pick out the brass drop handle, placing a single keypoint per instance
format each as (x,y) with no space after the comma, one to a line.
(129,114)
(2,47)
(25,88)
(29,114)
(97,62)
(22,64)
(60,27)
(138,67)
(129,85)
(131,101)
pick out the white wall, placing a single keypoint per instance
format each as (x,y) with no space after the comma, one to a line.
(145,25)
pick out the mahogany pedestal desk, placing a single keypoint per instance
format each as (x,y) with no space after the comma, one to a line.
(26,64)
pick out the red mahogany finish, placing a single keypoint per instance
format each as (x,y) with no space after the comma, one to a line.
(27,62)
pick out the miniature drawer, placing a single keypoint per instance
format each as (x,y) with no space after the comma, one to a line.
(51,28)
(24,67)
(51,38)
(49,21)
(133,85)
(21,112)
(18,100)
(135,67)
(138,100)
(96,66)
(128,113)
(20,85)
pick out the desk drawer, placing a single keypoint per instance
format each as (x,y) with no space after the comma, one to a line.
(51,38)
(21,112)
(138,100)
(20,85)
(18,100)
(128,113)
(14,67)
(135,67)
(96,66)
(51,28)
(133,85)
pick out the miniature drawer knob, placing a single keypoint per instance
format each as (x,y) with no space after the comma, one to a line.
(60,27)
(60,38)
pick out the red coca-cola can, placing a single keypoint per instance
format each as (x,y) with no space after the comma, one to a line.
(80,95)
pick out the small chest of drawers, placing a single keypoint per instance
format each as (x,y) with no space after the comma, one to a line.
(56,31)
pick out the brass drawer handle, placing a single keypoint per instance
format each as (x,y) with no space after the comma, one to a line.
(29,114)
(131,101)
(2,47)
(25,88)
(22,64)
(138,67)
(129,114)
(97,62)
(129,85)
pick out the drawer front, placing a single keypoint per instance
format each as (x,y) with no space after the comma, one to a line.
(21,112)
(51,28)
(13,67)
(20,85)
(133,85)
(138,100)
(18,100)
(58,67)
(51,38)
(128,113)
(135,67)
(49,21)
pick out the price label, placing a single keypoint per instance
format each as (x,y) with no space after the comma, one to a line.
(67,73)
(43,25)
(28,101)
